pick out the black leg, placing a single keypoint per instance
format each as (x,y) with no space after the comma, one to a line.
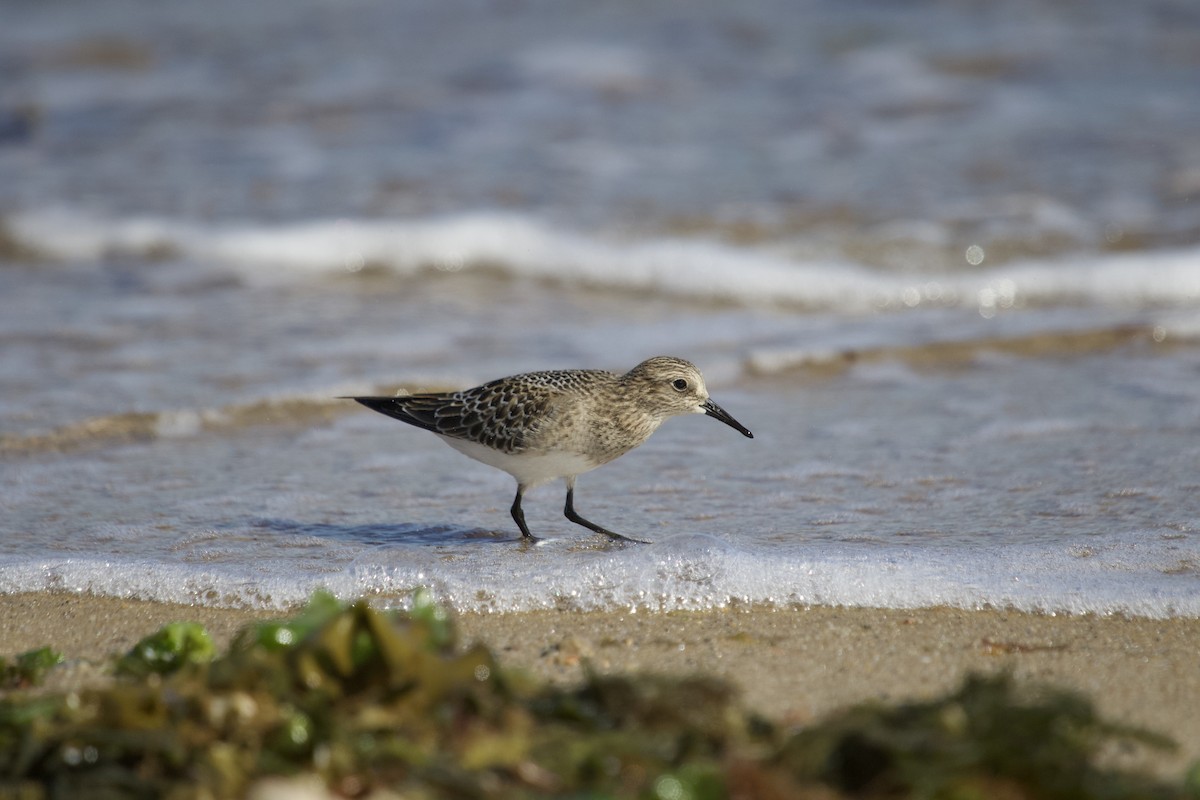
(519,516)
(570,513)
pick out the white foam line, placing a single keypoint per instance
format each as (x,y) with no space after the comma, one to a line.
(683,578)
(526,247)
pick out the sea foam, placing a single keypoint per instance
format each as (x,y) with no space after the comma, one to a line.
(526,247)
(1134,575)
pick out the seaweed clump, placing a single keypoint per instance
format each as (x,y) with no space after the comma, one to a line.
(985,740)
(372,702)
(28,668)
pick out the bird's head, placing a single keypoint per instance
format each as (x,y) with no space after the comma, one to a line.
(672,386)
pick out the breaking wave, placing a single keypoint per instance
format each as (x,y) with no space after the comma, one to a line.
(686,268)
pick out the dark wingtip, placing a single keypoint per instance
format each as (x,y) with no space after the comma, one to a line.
(398,408)
(374,403)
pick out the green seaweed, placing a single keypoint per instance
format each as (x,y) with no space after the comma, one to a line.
(168,649)
(286,633)
(367,700)
(28,668)
(983,740)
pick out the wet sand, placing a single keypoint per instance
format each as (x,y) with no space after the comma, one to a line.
(794,665)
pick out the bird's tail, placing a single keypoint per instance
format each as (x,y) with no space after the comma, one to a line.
(406,409)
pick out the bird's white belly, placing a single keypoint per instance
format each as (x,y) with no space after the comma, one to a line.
(530,469)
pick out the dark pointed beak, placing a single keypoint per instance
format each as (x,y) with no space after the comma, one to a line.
(716,412)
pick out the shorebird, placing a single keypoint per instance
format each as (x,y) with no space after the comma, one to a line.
(540,426)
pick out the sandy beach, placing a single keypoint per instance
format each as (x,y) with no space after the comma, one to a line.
(793,665)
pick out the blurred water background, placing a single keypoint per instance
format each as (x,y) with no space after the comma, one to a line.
(942,257)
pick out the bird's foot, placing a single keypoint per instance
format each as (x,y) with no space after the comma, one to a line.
(618,537)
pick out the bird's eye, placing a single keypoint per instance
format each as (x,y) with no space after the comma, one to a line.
(680,384)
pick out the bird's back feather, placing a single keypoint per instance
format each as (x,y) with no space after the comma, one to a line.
(504,414)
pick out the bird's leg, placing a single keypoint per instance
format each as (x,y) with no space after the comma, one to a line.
(571,514)
(519,516)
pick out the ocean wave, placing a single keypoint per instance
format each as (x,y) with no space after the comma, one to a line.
(949,352)
(305,408)
(950,348)
(685,268)
(1134,575)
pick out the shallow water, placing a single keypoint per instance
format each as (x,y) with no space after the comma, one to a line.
(978,387)
(1063,482)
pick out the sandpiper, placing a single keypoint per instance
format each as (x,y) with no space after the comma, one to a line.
(560,423)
